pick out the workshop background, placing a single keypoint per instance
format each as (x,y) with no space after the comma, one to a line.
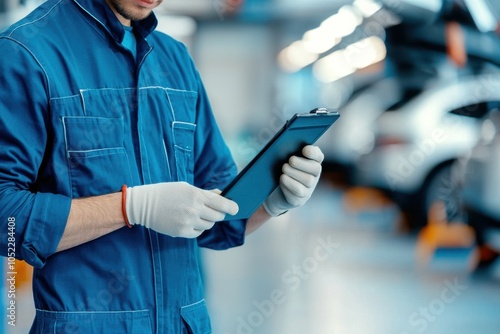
(403,232)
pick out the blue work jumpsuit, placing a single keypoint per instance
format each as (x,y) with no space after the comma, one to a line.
(80,117)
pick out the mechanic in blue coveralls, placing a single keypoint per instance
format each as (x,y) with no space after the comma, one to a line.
(91,99)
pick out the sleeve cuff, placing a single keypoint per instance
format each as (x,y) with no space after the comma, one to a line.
(224,235)
(44,232)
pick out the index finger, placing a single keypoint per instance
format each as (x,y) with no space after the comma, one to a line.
(221,204)
(313,152)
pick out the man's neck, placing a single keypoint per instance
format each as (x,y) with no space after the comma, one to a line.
(123,20)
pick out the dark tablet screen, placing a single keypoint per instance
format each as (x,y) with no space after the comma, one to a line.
(260,177)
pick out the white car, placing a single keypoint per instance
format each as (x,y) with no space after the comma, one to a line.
(417,144)
(352,134)
(481,185)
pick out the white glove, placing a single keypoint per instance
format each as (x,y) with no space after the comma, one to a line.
(177,209)
(297,183)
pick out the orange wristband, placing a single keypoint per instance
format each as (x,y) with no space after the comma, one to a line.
(124,206)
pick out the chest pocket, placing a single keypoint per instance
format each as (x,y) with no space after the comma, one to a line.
(183,105)
(97,159)
(91,131)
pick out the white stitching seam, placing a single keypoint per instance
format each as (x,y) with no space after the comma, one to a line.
(38,19)
(114,148)
(193,304)
(87,312)
(67,155)
(167,89)
(36,60)
(166,156)
(171,106)
(63,97)
(186,123)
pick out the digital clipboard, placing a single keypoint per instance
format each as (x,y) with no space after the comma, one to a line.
(260,177)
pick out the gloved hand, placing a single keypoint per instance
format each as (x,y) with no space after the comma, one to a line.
(297,183)
(177,209)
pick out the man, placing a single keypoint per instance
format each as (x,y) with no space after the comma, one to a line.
(93,101)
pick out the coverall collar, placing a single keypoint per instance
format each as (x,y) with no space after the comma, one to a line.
(99,10)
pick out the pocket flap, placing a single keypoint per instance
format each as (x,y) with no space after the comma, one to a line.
(92,133)
(184,134)
(196,318)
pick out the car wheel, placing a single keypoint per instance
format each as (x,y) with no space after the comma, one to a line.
(444,185)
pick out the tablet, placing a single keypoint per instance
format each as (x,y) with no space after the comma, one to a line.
(261,176)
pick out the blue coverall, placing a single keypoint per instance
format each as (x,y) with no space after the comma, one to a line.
(80,117)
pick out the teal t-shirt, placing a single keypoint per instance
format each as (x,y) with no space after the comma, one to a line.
(129,40)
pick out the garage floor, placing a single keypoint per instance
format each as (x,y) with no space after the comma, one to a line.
(324,269)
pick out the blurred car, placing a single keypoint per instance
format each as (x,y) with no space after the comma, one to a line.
(416,144)
(481,183)
(353,133)
(350,138)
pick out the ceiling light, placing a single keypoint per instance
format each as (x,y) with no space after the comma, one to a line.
(319,40)
(295,57)
(343,23)
(332,67)
(367,7)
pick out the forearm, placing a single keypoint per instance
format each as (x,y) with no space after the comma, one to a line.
(90,218)
(258,218)
(93,217)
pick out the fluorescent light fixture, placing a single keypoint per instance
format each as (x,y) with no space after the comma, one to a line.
(323,38)
(295,57)
(342,23)
(332,67)
(319,40)
(367,7)
(356,56)
(366,52)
